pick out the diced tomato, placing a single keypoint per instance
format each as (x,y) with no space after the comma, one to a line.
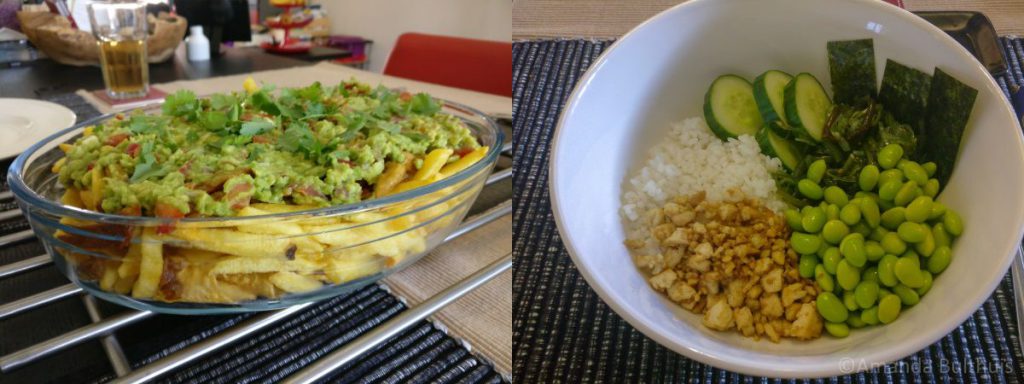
(166,211)
(119,116)
(239,202)
(310,191)
(261,139)
(114,140)
(89,167)
(463,151)
(133,149)
(185,167)
(405,96)
(134,210)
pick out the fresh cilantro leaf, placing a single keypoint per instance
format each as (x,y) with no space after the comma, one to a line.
(298,137)
(147,167)
(354,123)
(261,100)
(388,127)
(312,93)
(422,103)
(220,101)
(142,124)
(417,137)
(253,128)
(234,113)
(213,120)
(181,103)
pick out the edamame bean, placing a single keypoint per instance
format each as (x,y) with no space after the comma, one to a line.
(813,220)
(806,265)
(938,209)
(892,244)
(883,292)
(908,272)
(861,228)
(793,218)
(850,214)
(810,189)
(868,178)
(878,233)
(832,212)
(873,250)
(940,260)
(889,155)
(866,294)
(869,211)
(927,283)
(892,218)
(905,194)
(942,239)
(869,274)
(831,260)
(854,321)
(888,190)
(850,301)
(919,209)
(931,188)
(816,170)
(831,308)
(926,246)
(911,232)
(888,309)
(847,275)
(952,222)
(907,296)
(834,231)
(890,174)
(836,195)
(915,173)
(930,168)
(869,316)
(824,279)
(803,243)
(839,330)
(886,272)
(885,205)
(852,249)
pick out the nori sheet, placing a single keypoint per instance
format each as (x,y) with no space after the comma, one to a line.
(904,93)
(949,106)
(851,63)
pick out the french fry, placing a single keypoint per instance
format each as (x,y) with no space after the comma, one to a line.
(65,147)
(71,198)
(464,162)
(130,263)
(393,174)
(97,186)
(285,208)
(87,199)
(305,244)
(412,184)
(242,264)
(58,165)
(151,265)
(432,163)
(292,282)
(342,269)
(124,285)
(232,242)
(109,277)
(87,131)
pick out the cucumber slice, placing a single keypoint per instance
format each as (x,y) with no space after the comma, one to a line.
(729,107)
(807,105)
(768,93)
(775,146)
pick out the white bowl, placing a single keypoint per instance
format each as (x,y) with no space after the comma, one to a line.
(658,74)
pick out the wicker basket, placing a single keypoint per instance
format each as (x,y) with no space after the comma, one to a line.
(53,35)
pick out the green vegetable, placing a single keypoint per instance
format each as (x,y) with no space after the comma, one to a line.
(928,279)
(852,249)
(949,107)
(729,107)
(952,222)
(823,278)
(911,232)
(908,272)
(939,260)
(873,250)
(869,316)
(839,330)
(854,321)
(904,92)
(807,265)
(793,218)
(866,294)
(831,307)
(784,150)
(810,189)
(889,309)
(868,177)
(907,192)
(834,231)
(769,88)
(852,68)
(890,155)
(816,170)
(886,270)
(813,220)
(892,218)
(830,259)
(836,195)
(942,238)
(850,214)
(847,275)
(807,105)
(804,244)
(907,295)
(869,211)
(892,244)
(851,303)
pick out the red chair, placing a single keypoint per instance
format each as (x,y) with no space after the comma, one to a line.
(478,65)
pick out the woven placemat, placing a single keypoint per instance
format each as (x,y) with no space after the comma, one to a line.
(424,353)
(563,332)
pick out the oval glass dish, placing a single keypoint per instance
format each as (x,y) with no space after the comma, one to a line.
(207,265)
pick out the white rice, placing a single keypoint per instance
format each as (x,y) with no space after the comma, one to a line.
(692,159)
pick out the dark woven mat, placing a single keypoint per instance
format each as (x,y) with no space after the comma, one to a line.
(423,353)
(562,331)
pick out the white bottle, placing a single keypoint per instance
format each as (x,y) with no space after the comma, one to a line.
(197,44)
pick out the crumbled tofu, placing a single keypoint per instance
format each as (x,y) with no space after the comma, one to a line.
(731,262)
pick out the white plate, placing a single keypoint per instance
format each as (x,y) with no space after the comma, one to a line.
(658,74)
(24,122)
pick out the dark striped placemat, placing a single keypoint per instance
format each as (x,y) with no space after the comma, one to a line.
(424,353)
(562,331)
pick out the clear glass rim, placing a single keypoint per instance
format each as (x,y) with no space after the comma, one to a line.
(17,185)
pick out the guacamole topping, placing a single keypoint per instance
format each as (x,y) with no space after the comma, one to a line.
(317,145)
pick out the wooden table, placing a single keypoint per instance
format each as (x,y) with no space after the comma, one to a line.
(533,19)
